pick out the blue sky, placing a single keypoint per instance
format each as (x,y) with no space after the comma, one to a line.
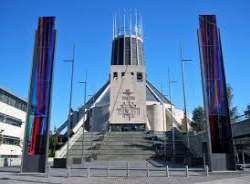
(88,24)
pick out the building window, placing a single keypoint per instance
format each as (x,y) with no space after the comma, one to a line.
(13,121)
(10,120)
(4,98)
(1,118)
(132,75)
(11,140)
(115,75)
(139,77)
(123,74)
(13,101)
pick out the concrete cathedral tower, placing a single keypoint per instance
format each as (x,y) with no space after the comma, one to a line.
(127,101)
(128,76)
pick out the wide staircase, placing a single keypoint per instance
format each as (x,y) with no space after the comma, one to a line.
(111,146)
(167,148)
(126,146)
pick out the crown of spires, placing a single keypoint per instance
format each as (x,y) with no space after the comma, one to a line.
(127,22)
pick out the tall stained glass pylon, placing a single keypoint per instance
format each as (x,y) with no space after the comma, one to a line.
(38,116)
(215,94)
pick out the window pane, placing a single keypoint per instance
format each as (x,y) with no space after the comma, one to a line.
(139,77)
(115,75)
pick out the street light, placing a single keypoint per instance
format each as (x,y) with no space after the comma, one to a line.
(55,140)
(72,61)
(11,156)
(170,82)
(93,100)
(85,89)
(1,136)
(184,94)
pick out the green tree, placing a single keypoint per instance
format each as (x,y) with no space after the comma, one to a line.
(199,119)
(233,111)
(52,144)
(182,126)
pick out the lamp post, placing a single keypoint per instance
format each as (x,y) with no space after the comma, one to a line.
(93,100)
(11,156)
(85,87)
(1,137)
(183,61)
(70,102)
(85,91)
(55,140)
(170,82)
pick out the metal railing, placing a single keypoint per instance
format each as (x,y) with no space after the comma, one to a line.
(131,169)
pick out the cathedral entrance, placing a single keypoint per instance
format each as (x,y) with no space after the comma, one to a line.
(127,127)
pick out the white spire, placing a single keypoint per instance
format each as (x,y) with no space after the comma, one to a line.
(141,28)
(130,24)
(113,27)
(136,23)
(124,22)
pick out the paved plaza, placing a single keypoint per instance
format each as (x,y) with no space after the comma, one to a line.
(58,176)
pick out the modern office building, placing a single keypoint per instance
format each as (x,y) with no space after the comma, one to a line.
(12,123)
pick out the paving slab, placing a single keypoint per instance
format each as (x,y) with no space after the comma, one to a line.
(57,176)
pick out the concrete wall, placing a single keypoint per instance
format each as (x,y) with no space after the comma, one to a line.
(155,117)
(127,95)
(196,141)
(99,118)
(241,129)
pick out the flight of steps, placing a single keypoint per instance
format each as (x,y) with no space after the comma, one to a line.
(112,146)
(126,146)
(165,142)
(86,146)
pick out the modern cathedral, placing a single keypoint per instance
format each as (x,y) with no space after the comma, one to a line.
(128,118)
(127,101)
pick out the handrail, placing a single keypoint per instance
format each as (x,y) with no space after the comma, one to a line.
(63,150)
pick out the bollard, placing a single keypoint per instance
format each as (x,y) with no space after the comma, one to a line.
(167,171)
(243,160)
(147,169)
(187,175)
(88,172)
(127,169)
(48,170)
(68,172)
(206,170)
(108,170)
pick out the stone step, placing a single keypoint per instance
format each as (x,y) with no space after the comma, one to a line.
(110,142)
(119,146)
(107,152)
(114,146)
(114,143)
(115,150)
(124,157)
